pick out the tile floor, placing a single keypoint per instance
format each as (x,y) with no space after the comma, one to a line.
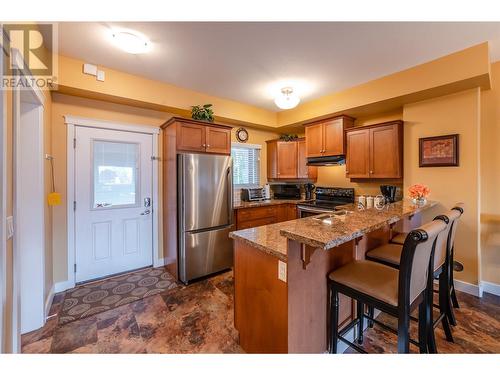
(199,319)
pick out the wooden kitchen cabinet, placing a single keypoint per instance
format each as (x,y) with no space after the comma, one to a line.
(287,160)
(358,154)
(202,137)
(375,151)
(218,140)
(251,217)
(304,171)
(326,137)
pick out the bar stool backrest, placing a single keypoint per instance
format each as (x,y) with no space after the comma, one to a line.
(416,257)
(457,210)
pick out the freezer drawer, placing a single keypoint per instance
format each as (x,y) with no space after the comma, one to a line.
(203,253)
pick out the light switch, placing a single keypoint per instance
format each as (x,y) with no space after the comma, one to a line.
(101,75)
(10,227)
(282,271)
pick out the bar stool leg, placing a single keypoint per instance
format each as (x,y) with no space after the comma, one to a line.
(334,319)
(422,328)
(371,313)
(429,320)
(444,305)
(360,313)
(452,285)
(403,334)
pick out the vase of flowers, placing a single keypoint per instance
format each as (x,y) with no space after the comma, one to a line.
(419,193)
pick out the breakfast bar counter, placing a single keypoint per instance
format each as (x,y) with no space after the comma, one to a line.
(281,270)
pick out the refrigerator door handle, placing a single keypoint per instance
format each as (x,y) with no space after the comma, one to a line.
(230,195)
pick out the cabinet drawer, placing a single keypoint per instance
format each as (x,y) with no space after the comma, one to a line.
(256,222)
(256,213)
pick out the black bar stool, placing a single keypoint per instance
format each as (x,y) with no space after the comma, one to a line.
(390,254)
(395,292)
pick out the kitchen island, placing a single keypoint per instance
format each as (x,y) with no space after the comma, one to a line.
(281,270)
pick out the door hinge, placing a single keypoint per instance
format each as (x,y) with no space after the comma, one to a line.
(74,267)
(74,142)
(74,205)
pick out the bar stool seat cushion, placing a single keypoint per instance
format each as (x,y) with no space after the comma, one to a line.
(388,253)
(370,278)
(399,239)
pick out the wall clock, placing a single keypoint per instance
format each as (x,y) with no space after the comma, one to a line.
(242,135)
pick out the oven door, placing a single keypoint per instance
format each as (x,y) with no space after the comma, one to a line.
(305,211)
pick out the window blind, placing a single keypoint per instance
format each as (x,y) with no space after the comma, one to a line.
(246,165)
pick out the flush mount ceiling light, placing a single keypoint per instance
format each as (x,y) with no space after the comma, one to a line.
(287,99)
(130,41)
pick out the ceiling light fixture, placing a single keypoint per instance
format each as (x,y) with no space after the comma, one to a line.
(131,41)
(287,99)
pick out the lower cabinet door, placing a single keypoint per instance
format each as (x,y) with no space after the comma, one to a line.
(204,253)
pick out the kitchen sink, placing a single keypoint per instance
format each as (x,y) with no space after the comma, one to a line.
(329,217)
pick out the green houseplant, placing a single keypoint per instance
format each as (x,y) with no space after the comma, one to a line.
(203,113)
(288,137)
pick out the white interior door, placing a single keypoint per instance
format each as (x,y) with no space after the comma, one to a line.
(113,191)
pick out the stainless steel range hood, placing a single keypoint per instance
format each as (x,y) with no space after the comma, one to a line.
(326,160)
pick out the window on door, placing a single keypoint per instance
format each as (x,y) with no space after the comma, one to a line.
(246,165)
(115,174)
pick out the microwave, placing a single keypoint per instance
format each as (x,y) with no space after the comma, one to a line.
(252,194)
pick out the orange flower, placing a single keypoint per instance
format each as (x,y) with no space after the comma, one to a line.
(418,191)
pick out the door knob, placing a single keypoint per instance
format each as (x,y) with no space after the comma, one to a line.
(146,212)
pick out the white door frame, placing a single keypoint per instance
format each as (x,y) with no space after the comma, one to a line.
(3,201)
(72,122)
(34,97)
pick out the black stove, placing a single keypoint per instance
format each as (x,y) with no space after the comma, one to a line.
(329,198)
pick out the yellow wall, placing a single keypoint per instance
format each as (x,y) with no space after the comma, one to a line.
(490,178)
(457,113)
(70,105)
(129,89)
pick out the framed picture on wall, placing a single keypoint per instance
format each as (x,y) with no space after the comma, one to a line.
(440,151)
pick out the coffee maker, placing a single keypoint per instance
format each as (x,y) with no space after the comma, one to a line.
(309,189)
(389,193)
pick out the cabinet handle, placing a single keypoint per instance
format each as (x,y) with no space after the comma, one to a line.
(208,146)
(204,145)
(371,172)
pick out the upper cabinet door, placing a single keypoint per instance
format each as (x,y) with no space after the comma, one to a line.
(191,137)
(333,137)
(303,171)
(314,140)
(358,154)
(218,140)
(287,159)
(385,152)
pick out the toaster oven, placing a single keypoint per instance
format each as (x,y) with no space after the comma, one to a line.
(252,194)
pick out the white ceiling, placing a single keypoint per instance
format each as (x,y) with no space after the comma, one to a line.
(250,62)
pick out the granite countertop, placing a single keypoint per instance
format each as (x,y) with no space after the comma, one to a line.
(237,204)
(273,238)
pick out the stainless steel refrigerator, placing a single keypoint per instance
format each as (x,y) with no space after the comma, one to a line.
(205,214)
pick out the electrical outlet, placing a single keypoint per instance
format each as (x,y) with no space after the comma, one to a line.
(90,69)
(10,227)
(282,271)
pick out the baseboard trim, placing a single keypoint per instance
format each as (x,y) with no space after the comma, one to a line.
(492,288)
(160,262)
(468,288)
(62,286)
(48,301)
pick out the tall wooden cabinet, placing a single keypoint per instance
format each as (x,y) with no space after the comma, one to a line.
(326,137)
(182,135)
(375,151)
(287,160)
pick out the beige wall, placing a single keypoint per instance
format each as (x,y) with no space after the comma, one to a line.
(70,105)
(457,113)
